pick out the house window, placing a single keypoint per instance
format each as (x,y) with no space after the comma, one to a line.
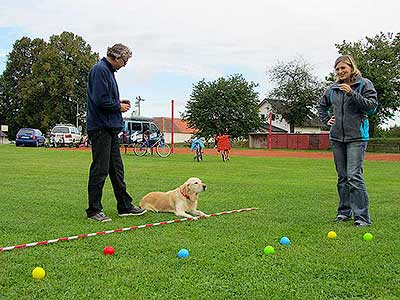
(263,117)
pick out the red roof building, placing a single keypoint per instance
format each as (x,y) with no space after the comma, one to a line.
(182,132)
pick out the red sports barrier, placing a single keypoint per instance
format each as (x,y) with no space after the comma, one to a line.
(80,236)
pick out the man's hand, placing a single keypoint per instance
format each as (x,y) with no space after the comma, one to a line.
(125,105)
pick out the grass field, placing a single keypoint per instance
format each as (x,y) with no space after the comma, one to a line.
(43,196)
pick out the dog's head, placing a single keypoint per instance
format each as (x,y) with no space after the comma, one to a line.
(194,186)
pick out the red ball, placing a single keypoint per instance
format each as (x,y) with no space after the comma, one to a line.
(108,250)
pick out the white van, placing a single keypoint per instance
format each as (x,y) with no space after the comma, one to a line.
(66,135)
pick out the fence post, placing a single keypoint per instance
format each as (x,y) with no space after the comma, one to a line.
(270,131)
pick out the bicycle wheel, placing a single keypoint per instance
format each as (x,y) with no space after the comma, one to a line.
(199,155)
(139,149)
(163,150)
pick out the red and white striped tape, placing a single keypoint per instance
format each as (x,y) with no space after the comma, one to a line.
(80,236)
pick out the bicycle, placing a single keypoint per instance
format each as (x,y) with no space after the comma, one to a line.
(199,154)
(162,149)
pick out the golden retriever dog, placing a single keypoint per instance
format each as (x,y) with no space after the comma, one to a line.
(179,201)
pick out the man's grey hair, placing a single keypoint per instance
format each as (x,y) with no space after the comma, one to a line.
(119,50)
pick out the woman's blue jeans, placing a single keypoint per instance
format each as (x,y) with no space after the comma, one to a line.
(353,196)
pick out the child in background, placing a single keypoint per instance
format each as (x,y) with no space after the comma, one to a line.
(197,142)
(223,144)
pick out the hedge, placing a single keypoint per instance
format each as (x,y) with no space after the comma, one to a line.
(386,145)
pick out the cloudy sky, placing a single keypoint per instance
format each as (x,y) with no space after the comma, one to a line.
(177,43)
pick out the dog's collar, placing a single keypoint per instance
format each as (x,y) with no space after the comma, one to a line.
(184,195)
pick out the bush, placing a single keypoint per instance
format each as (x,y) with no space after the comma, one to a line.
(393,132)
(240,143)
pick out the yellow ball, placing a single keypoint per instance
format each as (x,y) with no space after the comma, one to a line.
(332,235)
(38,273)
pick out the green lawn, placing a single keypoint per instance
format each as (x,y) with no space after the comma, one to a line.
(43,196)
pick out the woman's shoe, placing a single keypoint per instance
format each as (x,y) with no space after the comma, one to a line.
(360,223)
(342,218)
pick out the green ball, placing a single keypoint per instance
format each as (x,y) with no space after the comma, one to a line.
(269,250)
(368,236)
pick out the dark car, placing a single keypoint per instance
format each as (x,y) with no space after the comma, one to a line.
(29,137)
(134,128)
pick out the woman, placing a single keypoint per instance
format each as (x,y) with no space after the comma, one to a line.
(351,98)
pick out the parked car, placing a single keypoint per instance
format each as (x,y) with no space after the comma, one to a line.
(135,127)
(29,137)
(66,135)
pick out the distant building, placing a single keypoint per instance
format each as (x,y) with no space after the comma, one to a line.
(182,132)
(308,136)
(267,105)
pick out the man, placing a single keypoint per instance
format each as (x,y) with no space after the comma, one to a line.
(104,122)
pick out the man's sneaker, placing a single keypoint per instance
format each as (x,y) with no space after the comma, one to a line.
(360,223)
(342,218)
(100,217)
(133,211)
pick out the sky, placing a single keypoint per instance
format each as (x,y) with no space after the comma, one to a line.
(177,43)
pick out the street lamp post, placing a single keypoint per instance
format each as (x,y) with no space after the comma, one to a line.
(138,100)
(77,114)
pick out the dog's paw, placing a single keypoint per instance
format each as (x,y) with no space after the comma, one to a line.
(199,213)
(185,215)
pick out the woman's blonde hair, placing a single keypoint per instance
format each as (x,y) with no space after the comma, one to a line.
(349,60)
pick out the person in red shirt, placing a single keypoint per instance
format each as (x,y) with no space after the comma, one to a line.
(223,144)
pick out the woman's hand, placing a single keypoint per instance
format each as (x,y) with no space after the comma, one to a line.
(345,88)
(331,121)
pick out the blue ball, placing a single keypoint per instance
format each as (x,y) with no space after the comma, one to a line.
(183,253)
(285,241)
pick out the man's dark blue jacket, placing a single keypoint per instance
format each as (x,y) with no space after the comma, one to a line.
(103,106)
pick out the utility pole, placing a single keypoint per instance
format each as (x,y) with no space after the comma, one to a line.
(133,114)
(137,103)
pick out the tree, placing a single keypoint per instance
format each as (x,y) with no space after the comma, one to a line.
(298,90)
(224,103)
(14,79)
(67,76)
(378,58)
(49,84)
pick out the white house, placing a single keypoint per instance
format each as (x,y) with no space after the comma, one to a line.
(309,136)
(268,105)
